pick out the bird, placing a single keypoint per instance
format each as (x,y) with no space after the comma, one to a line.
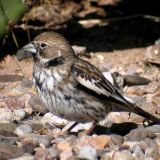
(73,88)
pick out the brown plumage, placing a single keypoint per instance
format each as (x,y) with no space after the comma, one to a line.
(71,87)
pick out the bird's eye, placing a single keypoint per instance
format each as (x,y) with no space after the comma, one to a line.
(43,45)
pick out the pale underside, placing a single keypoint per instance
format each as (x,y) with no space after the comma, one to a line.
(69,101)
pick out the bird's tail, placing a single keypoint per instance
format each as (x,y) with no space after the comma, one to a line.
(129,106)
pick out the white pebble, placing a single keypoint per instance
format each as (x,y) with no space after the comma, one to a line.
(100,57)
(29,110)
(88,152)
(50,118)
(5,115)
(19,114)
(24,157)
(23,130)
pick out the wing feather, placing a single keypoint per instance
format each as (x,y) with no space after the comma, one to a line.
(90,77)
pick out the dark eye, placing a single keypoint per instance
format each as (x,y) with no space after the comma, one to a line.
(43,45)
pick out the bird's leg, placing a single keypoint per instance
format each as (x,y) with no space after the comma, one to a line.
(90,130)
(67,129)
(71,127)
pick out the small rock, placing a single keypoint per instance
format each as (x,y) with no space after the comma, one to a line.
(37,105)
(10,78)
(27,145)
(87,152)
(36,126)
(19,114)
(64,146)
(80,142)
(8,151)
(73,158)
(100,57)
(122,155)
(137,152)
(24,157)
(149,158)
(5,115)
(79,50)
(11,140)
(80,126)
(152,54)
(23,130)
(154,128)
(7,129)
(41,153)
(15,103)
(99,142)
(46,154)
(26,83)
(149,152)
(119,117)
(42,140)
(55,120)
(28,110)
(106,156)
(146,143)
(64,155)
(139,134)
(115,140)
(158,141)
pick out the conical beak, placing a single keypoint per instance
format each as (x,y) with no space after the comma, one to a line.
(26,52)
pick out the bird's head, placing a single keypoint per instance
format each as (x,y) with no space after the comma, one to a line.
(48,47)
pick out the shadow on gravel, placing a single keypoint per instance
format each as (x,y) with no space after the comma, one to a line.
(116,128)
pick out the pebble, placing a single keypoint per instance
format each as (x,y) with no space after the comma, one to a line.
(23,130)
(122,155)
(55,120)
(24,157)
(100,57)
(139,134)
(80,126)
(79,50)
(5,115)
(115,140)
(42,140)
(28,110)
(106,156)
(7,129)
(19,114)
(87,152)
(26,83)
(65,155)
(46,154)
(37,105)
(149,152)
(137,152)
(149,158)
(8,151)
(64,146)
(154,128)
(6,139)
(99,142)
(27,145)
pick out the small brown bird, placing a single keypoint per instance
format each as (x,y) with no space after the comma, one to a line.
(73,88)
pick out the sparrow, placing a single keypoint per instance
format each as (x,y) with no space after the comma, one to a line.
(71,87)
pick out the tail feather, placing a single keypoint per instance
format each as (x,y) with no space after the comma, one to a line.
(144,113)
(137,110)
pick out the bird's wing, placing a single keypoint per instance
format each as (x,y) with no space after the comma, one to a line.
(89,76)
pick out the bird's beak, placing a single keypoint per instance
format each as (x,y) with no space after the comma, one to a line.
(27,51)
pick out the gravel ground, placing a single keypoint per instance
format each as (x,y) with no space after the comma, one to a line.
(28,131)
